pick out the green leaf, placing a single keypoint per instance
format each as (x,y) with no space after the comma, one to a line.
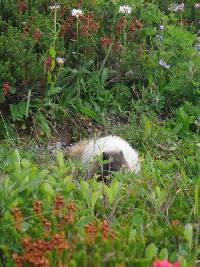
(25,226)
(43,124)
(163,254)
(91,114)
(137,220)
(151,251)
(86,192)
(112,191)
(183,262)
(94,198)
(188,233)
(47,190)
(60,159)
(52,52)
(85,220)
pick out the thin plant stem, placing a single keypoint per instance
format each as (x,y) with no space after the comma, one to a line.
(5,126)
(77,24)
(55,29)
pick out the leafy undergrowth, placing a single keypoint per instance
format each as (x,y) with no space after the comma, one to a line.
(53,217)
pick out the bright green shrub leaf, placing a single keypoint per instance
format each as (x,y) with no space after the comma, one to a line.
(85,220)
(188,233)
(47,190)
(52,52)
(151,251)
(163,254)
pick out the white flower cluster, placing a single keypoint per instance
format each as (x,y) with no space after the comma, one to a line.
(197,5)
(54,7)
(77,13)
(176,8)
(163,64)
(125,9)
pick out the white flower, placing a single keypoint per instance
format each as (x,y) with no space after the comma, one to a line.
(162,63)
(198,47)
(161,27)
(60,60)
(197,5)
(176,8)
(77,13)
(125,9)
(56,6)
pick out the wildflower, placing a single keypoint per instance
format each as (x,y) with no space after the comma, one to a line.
(165,263)
(175,222)
(22,6)
(120,24)
(17,214)
(135,23)
(163,64)
(18,259)
(47,226)
(118,46)
(25,29)
(31,18)
(198,47)
(176,8)
(106,231)
(6,88)
(54,7)
(71,206)
(161,27)
(77,13)
(88,25)
(105,41)
(197,5)
(37,206)
(90,233)
(36,35)
(47,64)
(58,203)
(125,9)
(60,60)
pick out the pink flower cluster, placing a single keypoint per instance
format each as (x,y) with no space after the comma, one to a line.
(165,263)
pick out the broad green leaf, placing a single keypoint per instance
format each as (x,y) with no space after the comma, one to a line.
(94,198)
(85,220)
(151,251)
(52,52)
(188,233)
(47,190)
(163,254)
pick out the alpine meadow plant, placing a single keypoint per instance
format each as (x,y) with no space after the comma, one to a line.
(52,218)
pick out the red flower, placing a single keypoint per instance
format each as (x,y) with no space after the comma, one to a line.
(6,88)
(165,263)
(105,41)
(88,25)
(175,222)
(121,23)
(47,64)
(36,35)
(22,6)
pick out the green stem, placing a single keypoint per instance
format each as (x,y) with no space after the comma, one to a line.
(105,59)
(77,36)
(125,34)
(55,29)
